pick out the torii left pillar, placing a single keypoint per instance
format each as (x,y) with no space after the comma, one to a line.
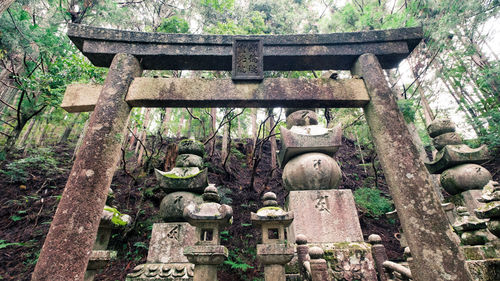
(67,247)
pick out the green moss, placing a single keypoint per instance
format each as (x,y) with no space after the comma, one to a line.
(457,200)
(270,208)
(174,176)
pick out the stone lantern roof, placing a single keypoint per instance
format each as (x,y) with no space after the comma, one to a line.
(271,212)
(210,211)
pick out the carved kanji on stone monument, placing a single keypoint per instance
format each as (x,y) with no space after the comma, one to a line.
(247,59)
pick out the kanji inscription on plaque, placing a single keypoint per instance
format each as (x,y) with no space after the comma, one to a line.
(247,59)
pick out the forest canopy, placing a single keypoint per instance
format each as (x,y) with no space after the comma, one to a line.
(453,73)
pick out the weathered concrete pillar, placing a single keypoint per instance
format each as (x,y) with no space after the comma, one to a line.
(429,235)
(68,244)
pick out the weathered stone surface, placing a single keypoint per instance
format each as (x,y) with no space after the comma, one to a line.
(190,179)
(172,206)
(453,155)
(248,59)
(467,199)
(481,252)
(351,261)
(318,265)
(291,110)
(161,272)
(435,255)
(336,211)
(379,255)
(168,241)
(489,210)
(301,118)
(440,126)
(191,147)
(300,140)
(484,270)
(274,253)
(475,237)
(491,192)
(189,160)
(214,52)
(81,97)
(73,230)
(271,92)
(100,258)
(446,139)
(206,254)
(494,227)
(464,177)
(311,171)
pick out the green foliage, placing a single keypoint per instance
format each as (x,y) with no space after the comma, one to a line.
(117,216)
(3,244)
(173,24)
(40,160)
(407,107)
(372,201)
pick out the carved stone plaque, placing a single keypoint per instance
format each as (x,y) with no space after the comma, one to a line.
(324,216)
(168,241)
(247,59)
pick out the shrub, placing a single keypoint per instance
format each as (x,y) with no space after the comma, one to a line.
(41,161)
(372,202)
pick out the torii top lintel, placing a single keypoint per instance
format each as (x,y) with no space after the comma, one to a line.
(160,51)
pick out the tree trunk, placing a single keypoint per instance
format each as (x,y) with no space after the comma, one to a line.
(170,156)
(69,128)
(80,139)
(225,142)
(272,139)
(254,125)
(181,125)
(27,132)
(188,125)
(144,135)
(4,5)
(166,120)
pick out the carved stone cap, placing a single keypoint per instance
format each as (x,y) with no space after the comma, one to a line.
(271,212)
(374,239)
(209,211)
(301,239)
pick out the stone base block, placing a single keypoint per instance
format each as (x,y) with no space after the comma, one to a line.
(350,261)
(484,270)
(481,252)
(324,216)
(168,241)
(162,272)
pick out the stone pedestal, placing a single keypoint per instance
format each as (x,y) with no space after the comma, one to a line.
(484,270)
(166,260)
(168,241)
(98,260)
(339,233)
(350,261)
(324,216)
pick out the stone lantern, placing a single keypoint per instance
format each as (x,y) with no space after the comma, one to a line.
(208,218)
(274,252)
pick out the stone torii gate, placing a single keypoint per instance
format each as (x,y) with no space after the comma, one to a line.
(68,244)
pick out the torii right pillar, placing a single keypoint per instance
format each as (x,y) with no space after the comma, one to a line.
(428,233)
